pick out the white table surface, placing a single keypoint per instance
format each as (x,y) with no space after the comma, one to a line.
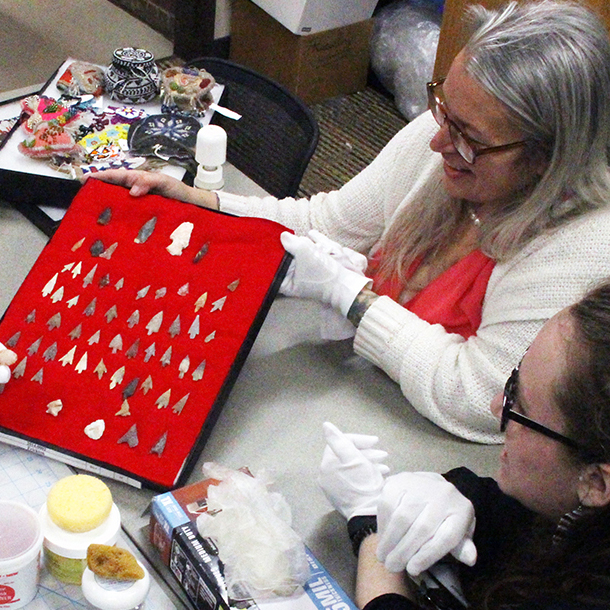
(289,385)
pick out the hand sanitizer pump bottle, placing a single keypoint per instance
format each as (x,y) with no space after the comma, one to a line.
(210,155)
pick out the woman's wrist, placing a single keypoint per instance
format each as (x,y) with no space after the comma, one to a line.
(204,199)
(201,198)
(373,580)
(215,203)
(362,302)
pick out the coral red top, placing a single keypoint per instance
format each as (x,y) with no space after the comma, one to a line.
(454,299)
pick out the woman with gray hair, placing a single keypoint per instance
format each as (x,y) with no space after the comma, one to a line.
(480,220)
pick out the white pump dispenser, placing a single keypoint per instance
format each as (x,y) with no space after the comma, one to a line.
(211,153)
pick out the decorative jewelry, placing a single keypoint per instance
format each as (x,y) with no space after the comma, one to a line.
(359,527)
(476,221)
(362,302)
(566,523)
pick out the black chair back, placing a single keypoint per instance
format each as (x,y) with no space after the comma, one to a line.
(275,138)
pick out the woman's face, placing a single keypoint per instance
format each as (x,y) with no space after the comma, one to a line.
(535,469)
(494,178)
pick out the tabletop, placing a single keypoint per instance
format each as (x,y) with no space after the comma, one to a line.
(291,383)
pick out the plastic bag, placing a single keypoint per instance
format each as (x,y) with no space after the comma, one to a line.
(403,51)
(251,526)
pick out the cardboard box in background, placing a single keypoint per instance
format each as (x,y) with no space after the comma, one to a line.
(314,67)
(194,562)
(312,16)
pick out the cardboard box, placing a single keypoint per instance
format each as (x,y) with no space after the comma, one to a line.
(311,16)
(194,560)
(314,67)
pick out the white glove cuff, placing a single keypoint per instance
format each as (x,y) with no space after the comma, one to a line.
(351,285)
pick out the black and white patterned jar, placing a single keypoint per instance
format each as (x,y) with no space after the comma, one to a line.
(133,76)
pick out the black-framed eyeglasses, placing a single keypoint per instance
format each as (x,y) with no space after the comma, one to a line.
(466,147)
(511,397)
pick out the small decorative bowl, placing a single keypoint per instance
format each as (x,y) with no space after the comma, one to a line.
(133,76)
(186,90)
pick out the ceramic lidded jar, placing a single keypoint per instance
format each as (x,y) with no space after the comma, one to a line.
(133,76)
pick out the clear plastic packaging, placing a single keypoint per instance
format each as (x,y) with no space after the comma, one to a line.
(403,51)
(261,553)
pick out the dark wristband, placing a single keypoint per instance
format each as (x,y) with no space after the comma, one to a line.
(364,299)
(359,527)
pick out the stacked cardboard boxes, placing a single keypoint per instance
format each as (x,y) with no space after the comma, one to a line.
(313,16)
(315,66)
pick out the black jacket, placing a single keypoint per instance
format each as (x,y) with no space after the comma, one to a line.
(502,525)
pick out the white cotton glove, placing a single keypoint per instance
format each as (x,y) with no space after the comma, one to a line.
(317,275)
(333,325)
(350,259)
(351,472)
(421,517)
(7,357)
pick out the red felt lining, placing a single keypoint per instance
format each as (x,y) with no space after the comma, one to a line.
(244,249)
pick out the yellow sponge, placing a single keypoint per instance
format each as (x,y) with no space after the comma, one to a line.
(79,503)
(113,562)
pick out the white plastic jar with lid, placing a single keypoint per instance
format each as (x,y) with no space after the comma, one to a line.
(65,552)
(110,594)
(20,544)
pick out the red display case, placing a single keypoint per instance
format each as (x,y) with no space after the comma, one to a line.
(118,328)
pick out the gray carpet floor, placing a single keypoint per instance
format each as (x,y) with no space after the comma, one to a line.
(353,129)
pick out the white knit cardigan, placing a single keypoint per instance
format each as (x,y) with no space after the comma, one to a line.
(448,379)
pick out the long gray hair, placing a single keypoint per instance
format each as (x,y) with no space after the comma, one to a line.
(548,62)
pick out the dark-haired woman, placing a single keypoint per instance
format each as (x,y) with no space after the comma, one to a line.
(536,537)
